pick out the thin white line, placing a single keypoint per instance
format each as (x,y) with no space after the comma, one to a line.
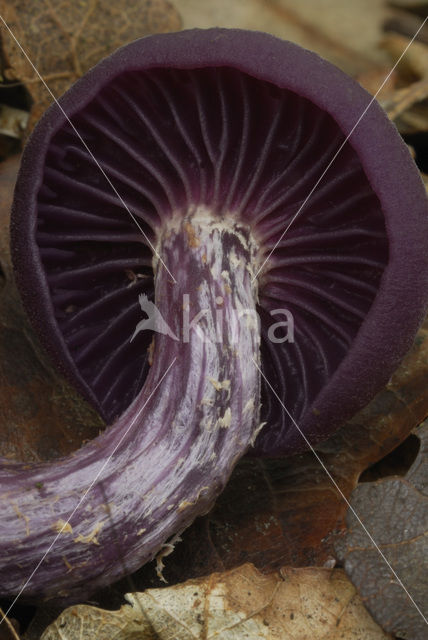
(121,200)
(85,494)
(10,625)
(339,150)
(351,508)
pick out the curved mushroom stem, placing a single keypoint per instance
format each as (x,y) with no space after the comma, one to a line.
(165,460)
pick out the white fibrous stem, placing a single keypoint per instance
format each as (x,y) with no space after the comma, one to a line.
(114,504)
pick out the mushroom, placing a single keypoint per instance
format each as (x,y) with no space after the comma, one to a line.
(217,178)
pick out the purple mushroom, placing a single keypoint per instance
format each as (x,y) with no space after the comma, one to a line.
(185,187)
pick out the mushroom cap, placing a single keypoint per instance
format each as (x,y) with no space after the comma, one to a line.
(246,125)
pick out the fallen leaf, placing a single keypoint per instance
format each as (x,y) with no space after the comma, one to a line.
(85,622)
(302,604)
(395,512)
(64,39)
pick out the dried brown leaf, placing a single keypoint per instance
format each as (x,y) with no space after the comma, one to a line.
(302,604)
(83,622)
(395,511)
(64,39)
